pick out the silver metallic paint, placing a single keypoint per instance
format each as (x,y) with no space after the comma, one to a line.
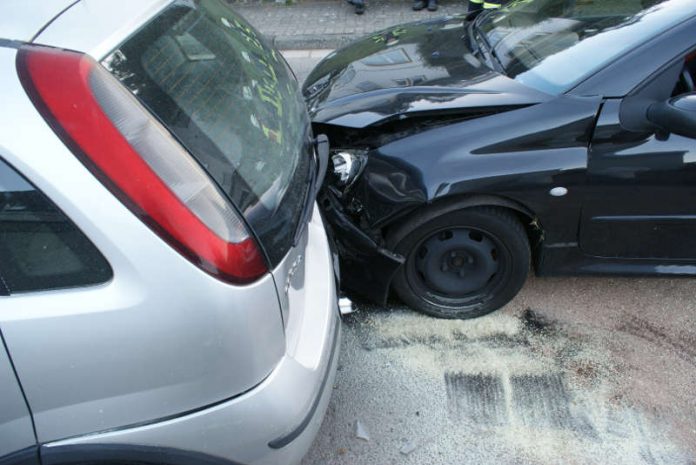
(162,345)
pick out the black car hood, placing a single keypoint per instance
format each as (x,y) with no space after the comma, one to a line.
(408,70)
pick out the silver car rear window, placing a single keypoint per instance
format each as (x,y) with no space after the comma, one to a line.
(231,100)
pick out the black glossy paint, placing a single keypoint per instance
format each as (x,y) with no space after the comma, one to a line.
(439,126)
(641,199)
(406,71)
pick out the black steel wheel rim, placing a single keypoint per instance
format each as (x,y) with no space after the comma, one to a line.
(457,265)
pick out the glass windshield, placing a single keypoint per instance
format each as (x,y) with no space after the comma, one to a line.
(232,102)
(552,45)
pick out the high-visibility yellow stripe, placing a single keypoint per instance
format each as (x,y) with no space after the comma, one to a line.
(478,2)
(490,6)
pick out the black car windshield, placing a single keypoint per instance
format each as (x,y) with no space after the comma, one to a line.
(233,103)
(552,45)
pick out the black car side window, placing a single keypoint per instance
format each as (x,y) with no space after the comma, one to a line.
(40,248)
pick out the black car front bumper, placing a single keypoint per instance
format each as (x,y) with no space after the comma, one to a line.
(367,268)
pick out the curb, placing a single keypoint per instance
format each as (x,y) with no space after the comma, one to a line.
(312,41)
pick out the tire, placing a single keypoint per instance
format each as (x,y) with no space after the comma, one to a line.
(460,262)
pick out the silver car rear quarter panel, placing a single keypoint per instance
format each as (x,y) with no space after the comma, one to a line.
(160,339)
(15,424)
(291,401)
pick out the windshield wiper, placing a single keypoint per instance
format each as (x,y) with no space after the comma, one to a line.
(475,47)
(483,46)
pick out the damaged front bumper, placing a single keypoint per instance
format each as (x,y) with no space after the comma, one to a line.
(367,268)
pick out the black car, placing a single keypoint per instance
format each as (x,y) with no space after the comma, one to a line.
(560,133)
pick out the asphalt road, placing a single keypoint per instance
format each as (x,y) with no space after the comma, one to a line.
(572,371)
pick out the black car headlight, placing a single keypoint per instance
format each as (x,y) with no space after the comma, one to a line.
(346,166)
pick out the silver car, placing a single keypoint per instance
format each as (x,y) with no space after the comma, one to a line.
(167,290)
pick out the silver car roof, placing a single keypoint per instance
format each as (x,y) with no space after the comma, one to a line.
(23,19)
(96,27)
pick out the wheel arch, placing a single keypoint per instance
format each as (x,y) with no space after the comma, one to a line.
(529,219)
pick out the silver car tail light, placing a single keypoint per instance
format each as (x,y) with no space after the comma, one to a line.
(139,161)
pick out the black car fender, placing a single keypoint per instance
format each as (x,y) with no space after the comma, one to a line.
(512,159)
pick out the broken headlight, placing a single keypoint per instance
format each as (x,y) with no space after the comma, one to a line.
(346,166)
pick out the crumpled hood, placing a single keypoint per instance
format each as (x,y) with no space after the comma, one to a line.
(407,70)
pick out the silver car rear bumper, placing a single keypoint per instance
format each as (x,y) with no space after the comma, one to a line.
(274,423)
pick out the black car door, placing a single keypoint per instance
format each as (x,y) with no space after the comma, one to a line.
(641,192)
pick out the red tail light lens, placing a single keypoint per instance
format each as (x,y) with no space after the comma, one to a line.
(139,161)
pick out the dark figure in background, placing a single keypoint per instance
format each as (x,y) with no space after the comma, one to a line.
(420,4)
(359,6)
(480,5)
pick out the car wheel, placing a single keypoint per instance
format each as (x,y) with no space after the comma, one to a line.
(460,263)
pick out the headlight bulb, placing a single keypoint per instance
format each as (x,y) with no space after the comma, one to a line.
(347,165)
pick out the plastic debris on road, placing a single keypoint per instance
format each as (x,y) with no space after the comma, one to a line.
(408,447)
(361,431)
